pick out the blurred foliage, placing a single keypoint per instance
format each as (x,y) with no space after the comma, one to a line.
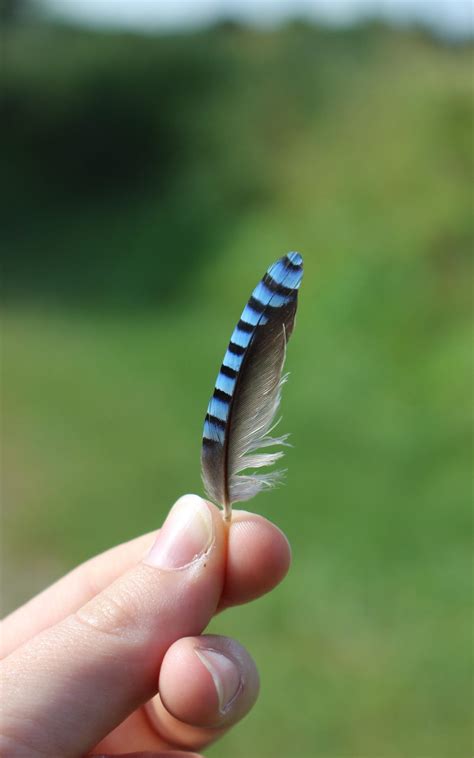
(119,148)
(150,181)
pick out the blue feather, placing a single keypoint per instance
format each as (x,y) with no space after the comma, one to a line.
(247,391)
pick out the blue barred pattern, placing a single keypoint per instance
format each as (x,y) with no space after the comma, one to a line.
(276,292)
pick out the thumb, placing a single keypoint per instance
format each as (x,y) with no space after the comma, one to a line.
(77,680)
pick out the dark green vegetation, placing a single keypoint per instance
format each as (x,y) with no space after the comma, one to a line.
(150,182)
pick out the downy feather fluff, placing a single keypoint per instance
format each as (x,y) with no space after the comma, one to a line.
(240,414)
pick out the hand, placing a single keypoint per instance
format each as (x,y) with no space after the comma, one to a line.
(86,658)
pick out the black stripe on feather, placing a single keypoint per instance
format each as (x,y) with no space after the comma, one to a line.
(221,395)
(227,371)
(215,420)
(256,305)
(243,326)
(236,349)
(279,289)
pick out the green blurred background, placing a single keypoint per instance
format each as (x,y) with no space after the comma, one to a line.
(149,181)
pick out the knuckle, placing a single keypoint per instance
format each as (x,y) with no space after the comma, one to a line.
(110,614)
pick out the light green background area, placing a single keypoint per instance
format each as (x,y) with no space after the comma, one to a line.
(365,650)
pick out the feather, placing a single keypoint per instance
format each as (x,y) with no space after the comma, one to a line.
(246,397)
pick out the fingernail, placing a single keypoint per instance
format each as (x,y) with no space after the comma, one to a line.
(225,675)
(186,534)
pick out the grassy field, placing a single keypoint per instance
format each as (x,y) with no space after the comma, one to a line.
(365,650)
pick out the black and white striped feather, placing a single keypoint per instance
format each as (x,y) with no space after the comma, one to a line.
(241,412)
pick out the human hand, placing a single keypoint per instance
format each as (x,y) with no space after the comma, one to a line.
(86,658)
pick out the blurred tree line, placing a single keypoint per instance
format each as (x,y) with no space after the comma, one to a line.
(128,158)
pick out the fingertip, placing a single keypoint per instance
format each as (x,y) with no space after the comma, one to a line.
(258,558)
(222,681)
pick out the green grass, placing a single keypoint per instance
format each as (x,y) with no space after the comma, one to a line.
(365,650)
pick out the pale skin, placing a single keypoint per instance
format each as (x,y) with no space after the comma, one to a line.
(84,661)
